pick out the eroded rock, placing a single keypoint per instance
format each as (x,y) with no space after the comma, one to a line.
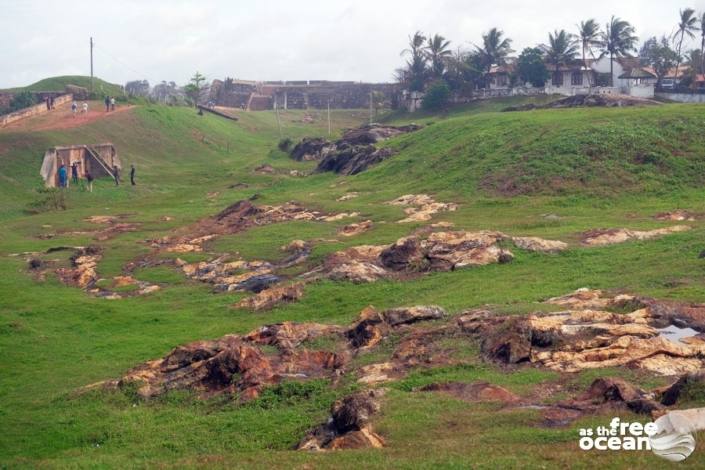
(349,426)
(601,237)
(421,207)
(268,299)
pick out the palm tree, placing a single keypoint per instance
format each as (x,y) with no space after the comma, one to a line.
(417,62)
(438,53)
(561,48)
(495,48)
(702,43)
(687,25)
(588,37)
(617,40)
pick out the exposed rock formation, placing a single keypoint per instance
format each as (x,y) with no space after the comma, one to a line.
(268,299)
(421,207)
(539,244)
(82,272)
(678,215)
(356,228)
(598,237)
(438,251)
(591,100)
(584,338)
(349,426)
(353,153)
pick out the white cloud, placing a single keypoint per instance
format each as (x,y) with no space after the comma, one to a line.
(274,40)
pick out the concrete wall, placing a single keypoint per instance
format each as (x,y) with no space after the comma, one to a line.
(683,97)
(35,110)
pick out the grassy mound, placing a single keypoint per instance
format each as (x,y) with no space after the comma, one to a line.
(593,151)
(59,83)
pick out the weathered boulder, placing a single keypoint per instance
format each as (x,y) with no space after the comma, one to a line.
(269,298)
(288,335)
(311,148)
(355,228)
(349,425)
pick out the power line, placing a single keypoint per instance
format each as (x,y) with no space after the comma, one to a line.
(121,62)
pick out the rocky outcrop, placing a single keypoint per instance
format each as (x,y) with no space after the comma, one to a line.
(585,338)
(351,230)
(82,272)
(600,237)
(351,154)
(539,244)
(421,207)
(349,425)
(437,251)
(270,298)
(678,215)
(309,148)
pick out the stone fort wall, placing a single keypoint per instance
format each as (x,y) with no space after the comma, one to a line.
(302,94)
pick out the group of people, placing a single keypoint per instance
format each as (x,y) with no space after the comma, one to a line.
(50,102)
(109,103)
(64,180)
(74,108)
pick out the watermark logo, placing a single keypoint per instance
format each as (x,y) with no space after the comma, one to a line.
(666,437)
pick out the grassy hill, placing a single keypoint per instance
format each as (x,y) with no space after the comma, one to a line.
(59,83)
(585,168)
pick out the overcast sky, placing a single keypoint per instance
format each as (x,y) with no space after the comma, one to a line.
(274,40)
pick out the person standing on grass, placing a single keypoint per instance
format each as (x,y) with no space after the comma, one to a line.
(112,103)
(107,103)
(47,102)
(62,176)
(89,179)
(74,173)
(51,102)
(132,175)
(116,175)
(85,107)
(74,108)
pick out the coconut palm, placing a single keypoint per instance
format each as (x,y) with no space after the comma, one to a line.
(495,48)
(617,40)
(438,53)
(687,26)
(588,38)
(561,48)
(416,65)
(702,43)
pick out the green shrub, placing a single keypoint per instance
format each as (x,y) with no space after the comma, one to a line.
(284,144)
(437,96)
(50,199)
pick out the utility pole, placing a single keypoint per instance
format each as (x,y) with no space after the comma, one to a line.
(91,64)
(276,110)
(328,117)
(370,107)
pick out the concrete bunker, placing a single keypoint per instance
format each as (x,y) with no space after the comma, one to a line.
(98,159)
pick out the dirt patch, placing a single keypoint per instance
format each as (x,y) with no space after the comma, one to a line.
(268,299)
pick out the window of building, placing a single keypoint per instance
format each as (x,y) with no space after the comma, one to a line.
(576,79)
(557,79)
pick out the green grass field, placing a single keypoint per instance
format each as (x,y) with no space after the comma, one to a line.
(589,167)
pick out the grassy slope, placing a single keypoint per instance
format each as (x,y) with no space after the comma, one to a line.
(59,83)
(55,339)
